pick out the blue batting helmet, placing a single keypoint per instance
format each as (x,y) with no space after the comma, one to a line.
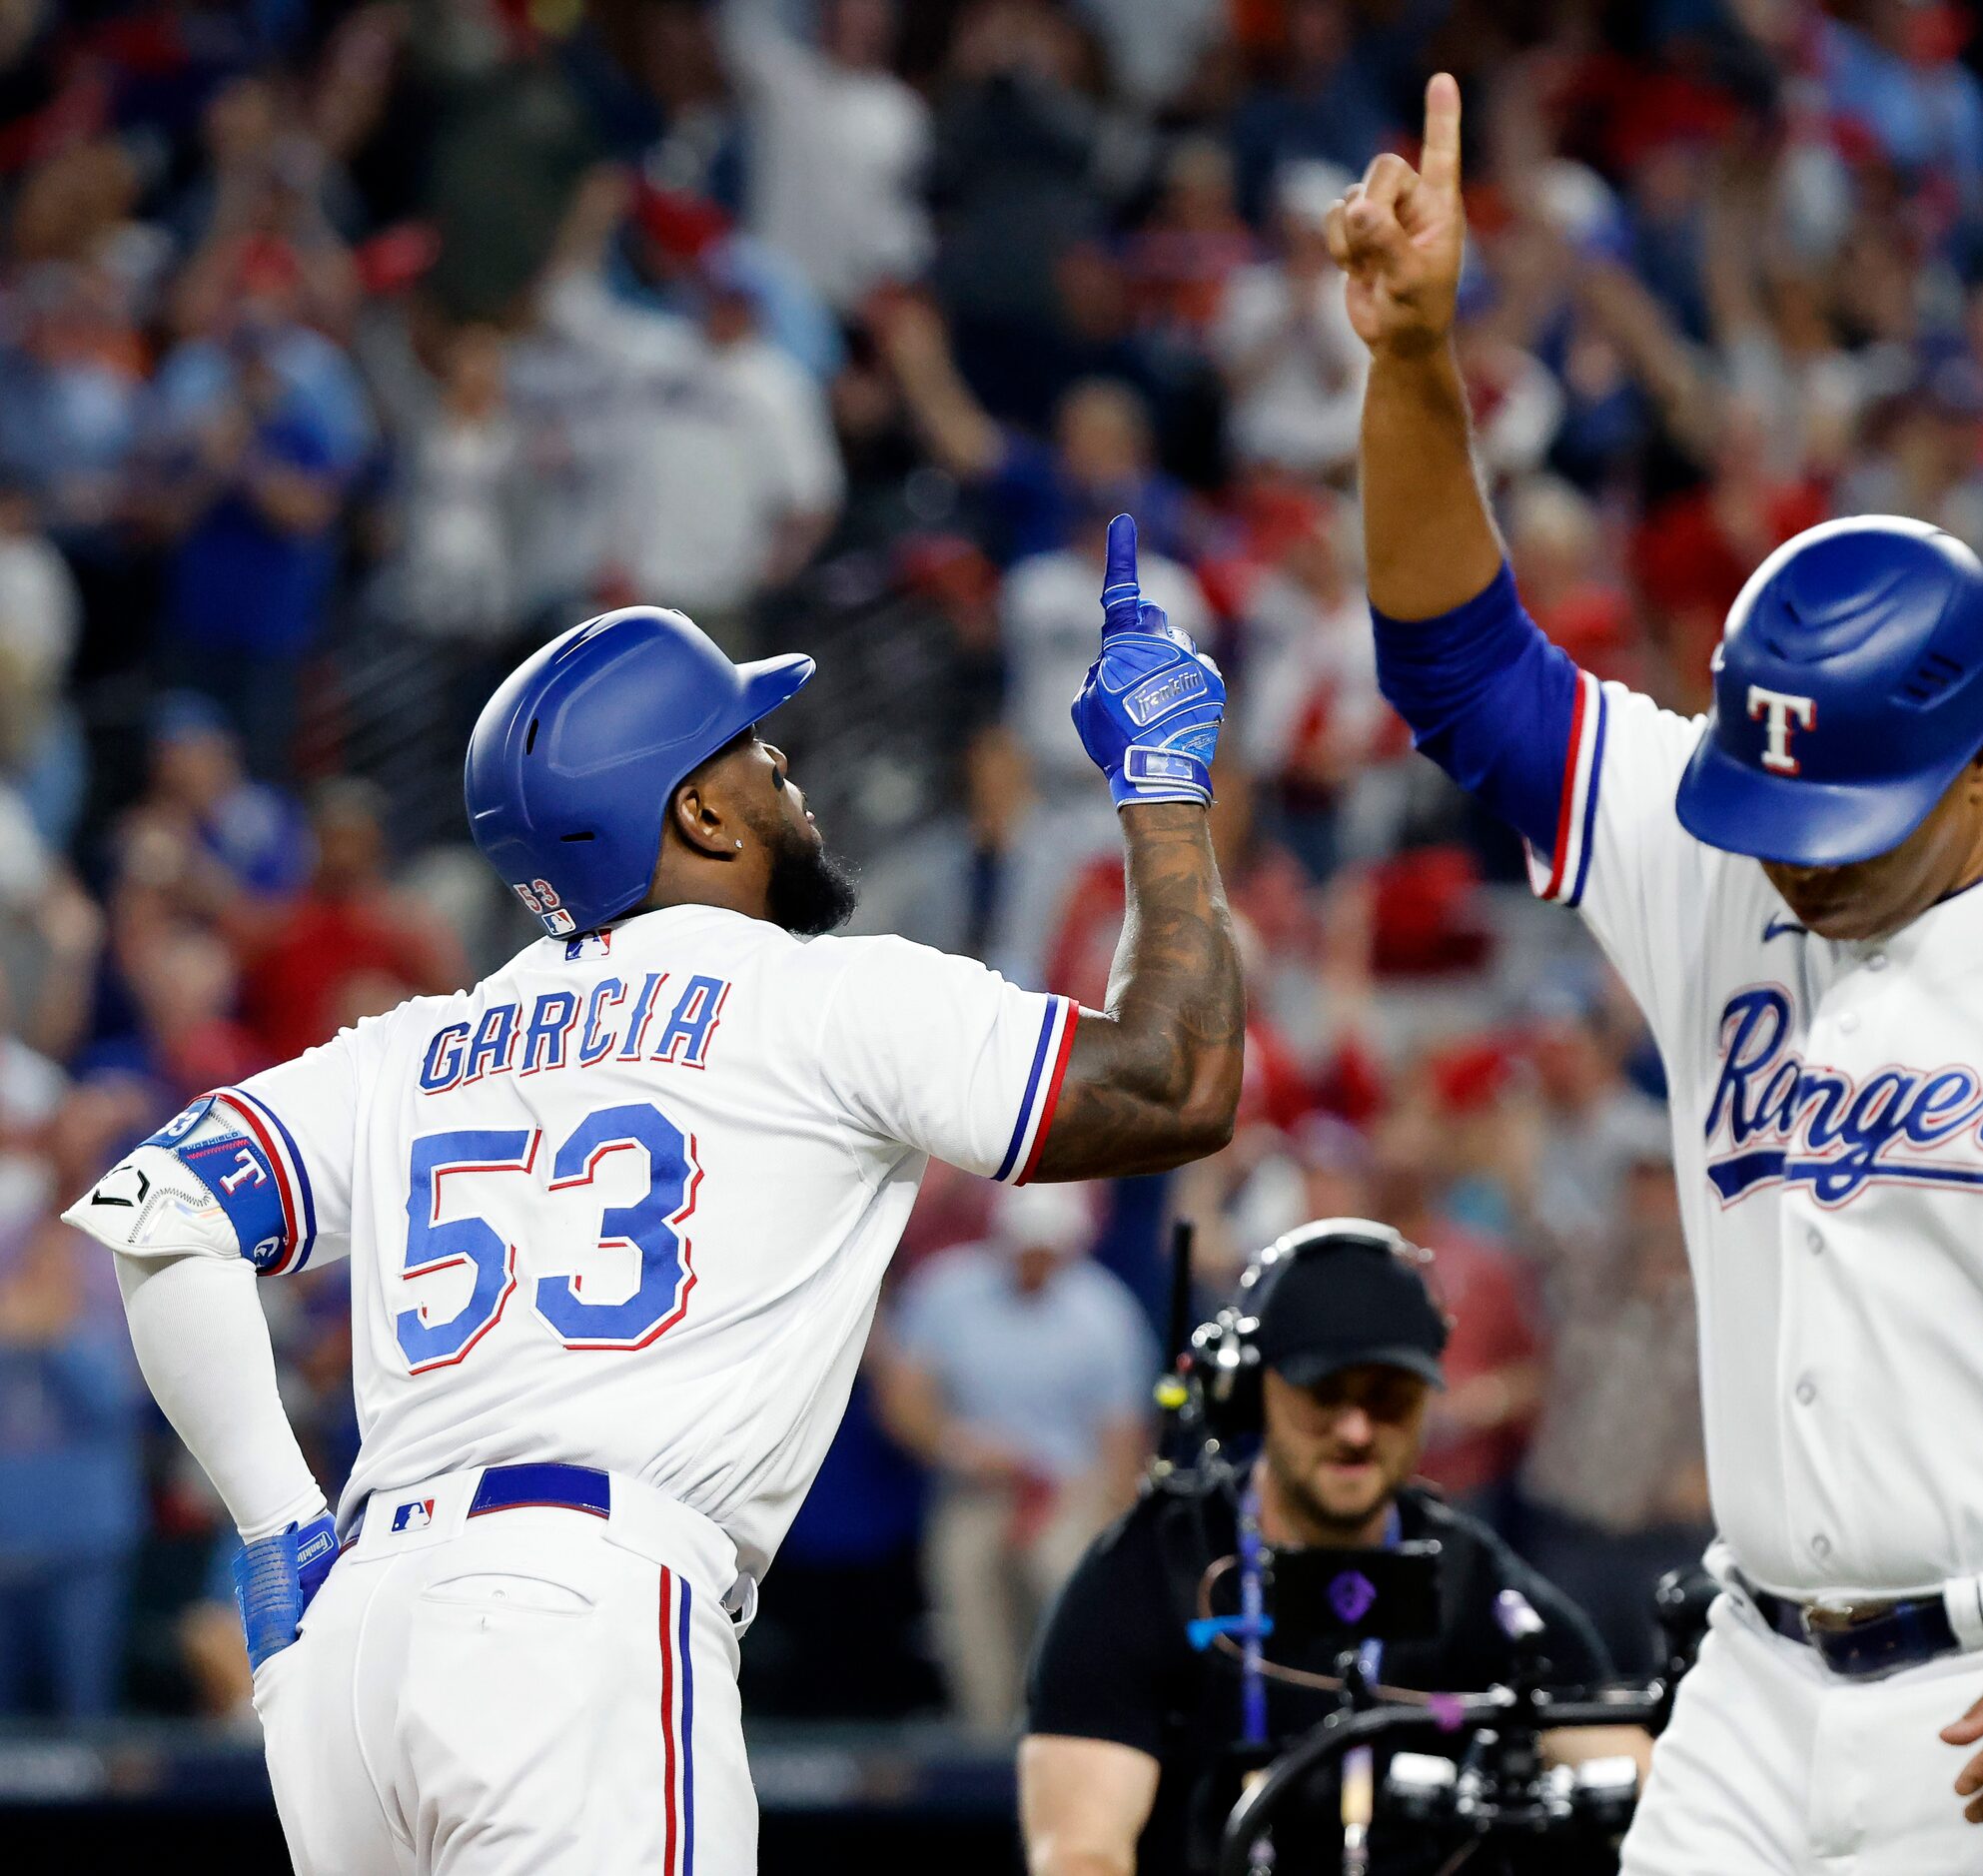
(573,762)
(1848,694)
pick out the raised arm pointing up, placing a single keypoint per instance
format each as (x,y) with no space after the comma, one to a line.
(1399,235)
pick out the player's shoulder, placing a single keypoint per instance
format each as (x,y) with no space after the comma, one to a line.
(1632,721)
(1635,750)
(887,963)
(416,1016)
(874,948)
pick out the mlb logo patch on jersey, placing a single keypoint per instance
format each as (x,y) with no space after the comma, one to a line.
(415,1514)
(593,944)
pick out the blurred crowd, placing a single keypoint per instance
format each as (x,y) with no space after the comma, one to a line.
(348,352)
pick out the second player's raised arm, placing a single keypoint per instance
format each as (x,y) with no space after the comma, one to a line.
(1505,713)
(1399,235)
(1428,541)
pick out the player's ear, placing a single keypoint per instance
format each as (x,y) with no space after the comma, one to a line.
(697,817)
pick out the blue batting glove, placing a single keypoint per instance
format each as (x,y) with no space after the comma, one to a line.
(1149,710)
(274,1580)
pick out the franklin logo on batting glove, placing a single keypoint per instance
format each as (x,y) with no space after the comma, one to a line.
(1150,705)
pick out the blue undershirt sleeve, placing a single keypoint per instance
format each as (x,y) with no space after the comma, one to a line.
(1584,771)
(1490,701)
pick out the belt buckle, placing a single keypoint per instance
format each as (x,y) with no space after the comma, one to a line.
(1831,1617)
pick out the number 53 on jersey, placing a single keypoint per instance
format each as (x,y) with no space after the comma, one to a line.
(454,1175)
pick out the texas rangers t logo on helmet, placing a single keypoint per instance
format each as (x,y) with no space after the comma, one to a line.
(1782,710)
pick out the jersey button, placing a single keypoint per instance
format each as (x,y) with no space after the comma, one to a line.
(1807,1392)
(1814,1242)
(1822,1547)
(1848,1023)
(1877,962)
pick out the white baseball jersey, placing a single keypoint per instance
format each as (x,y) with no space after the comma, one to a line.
(627,1203)
(1827,1104)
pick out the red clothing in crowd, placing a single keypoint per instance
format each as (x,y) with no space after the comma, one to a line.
(1690,572)
(298,989)
(1484,1291)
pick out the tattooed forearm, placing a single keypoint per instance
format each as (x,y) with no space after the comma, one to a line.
(1154,1080)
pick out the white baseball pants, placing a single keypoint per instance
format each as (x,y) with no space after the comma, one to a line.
(1774,1766)
(536,1691)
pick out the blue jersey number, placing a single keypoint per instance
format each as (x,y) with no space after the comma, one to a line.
(649,1226)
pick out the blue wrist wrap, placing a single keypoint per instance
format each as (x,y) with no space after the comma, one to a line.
(273,1580)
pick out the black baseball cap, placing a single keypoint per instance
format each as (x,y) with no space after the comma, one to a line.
(1345,1299)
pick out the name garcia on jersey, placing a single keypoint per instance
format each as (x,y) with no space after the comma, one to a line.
(564,1030)
(1779,1119)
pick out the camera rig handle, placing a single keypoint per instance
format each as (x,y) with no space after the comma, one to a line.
(1440,1721)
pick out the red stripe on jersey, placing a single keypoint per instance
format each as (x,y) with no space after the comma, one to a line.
(266,1141)
(1053,1091)
(1567,800)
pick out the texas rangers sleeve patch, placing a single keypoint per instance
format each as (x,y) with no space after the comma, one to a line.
(243,1167)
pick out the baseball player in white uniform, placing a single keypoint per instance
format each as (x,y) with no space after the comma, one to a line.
(1785,884)
(617,1218)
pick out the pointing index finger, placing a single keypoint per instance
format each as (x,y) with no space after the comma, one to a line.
(1122,597)
(1438,160)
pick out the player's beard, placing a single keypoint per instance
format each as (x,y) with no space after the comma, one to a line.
(810,891)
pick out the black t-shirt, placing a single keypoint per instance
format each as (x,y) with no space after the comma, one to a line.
(1115,1661)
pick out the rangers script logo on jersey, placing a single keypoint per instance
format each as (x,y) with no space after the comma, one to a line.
(1781,1118)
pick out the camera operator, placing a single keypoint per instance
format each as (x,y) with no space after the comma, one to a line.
(1137,1739)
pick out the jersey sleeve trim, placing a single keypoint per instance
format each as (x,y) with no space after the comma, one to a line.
(292,1180)
(1041,1096)
(1561,876)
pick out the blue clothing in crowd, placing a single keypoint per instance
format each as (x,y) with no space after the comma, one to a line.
(1044,1371)
(70,1517)
(1037,507)
(241,583)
